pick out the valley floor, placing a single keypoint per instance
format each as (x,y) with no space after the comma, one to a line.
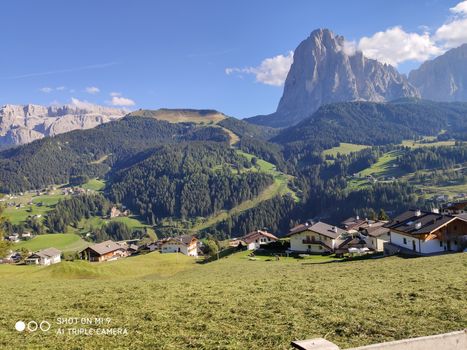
(169,302)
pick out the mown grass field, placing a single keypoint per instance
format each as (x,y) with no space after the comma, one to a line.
(66,242)
(169,302)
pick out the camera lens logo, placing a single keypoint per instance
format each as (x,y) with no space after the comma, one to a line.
(20,326)
(32,326)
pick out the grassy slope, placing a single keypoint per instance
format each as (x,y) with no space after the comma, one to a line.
(18,215)
(344,148)
(236,303)
(66,242)
(386,166)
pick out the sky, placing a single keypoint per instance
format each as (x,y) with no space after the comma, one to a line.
(232,56)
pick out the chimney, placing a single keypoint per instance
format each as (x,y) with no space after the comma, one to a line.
(435,210)
(418,225)
(334,229)
(357,217)
(418,212)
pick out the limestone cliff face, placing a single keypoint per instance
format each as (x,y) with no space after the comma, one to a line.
(324,70)
(443,78)
(20,124)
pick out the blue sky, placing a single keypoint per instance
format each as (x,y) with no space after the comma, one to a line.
(175,53)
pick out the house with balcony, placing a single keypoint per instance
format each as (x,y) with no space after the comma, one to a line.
(317,238)
(421,233)
(185,244)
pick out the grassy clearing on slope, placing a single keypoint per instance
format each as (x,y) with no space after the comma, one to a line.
(66,242)
(41,205)
(236,303)
(86,225)
(427,142)
(182,116)
(94,185)
(343,149)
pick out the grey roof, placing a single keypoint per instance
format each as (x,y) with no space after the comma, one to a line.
(105,247)
(47,253)
(184,239)
(376,229)
(426,222)
(321,228)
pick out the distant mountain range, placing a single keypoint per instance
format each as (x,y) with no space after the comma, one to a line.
(326,71)
(20,124)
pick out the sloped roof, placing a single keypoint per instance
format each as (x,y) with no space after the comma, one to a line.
(377,229)
(47,253)
(184,239)
(320,227)
(105,247)
(252,236)
(420,222)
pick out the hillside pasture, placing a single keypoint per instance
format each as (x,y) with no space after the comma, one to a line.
(66,242)
(344,149)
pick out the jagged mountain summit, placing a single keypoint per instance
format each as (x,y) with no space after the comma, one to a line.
(21,124)
(326,70)
(443,78)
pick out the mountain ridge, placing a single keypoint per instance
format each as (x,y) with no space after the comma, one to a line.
(21,124)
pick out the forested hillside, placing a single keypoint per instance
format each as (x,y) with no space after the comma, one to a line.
(91,152)
(373,124)
(187,180)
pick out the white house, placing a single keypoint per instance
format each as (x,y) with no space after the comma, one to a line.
(314,238)
(44,257)
(422,232)
(186,244)
(376,235)
(254,240)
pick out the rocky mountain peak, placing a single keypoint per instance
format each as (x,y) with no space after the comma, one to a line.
(327,69)
(443,78)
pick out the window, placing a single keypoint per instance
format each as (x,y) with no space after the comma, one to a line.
(320,248)
(440,243)
(405,240)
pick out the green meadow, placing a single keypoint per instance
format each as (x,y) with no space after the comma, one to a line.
(170,302)
(66,242)
(344,148)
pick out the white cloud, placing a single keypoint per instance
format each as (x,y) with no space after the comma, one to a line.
(395,46)
(122,101)
(92,90)
(454,32)
(460,8)
(115,94)
(271,71)
(81,104)
(46,90)
(60,88)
